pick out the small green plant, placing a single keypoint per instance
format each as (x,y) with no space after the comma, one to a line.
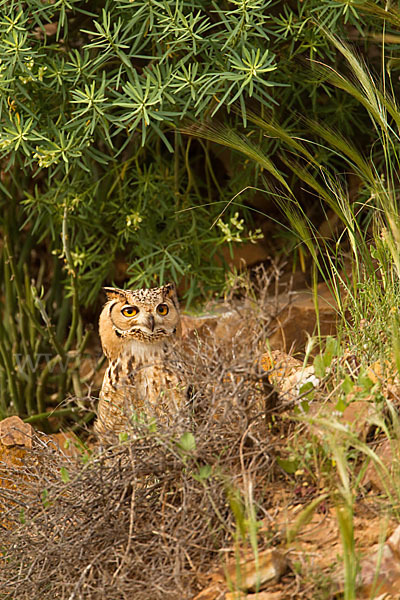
(39,358)
(246,533)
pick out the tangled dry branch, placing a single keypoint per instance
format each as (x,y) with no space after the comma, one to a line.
(145,518)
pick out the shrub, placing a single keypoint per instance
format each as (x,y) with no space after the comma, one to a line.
(99,184)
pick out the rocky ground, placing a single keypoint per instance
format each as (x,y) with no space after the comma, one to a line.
(236,511)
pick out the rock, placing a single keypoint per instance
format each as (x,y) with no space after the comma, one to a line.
(15,443)
(358,415)
(191,324)
(381,478)
(259,596)
(219,329)
(246,577)
(245,254)
(49,28)
(216,591)
(228,326)
(15,435)
(21,460)
(295,321)
(280,365)
(224,325)
(65,442)
(14,432)
(249,576)
(380,572)
(287,373)
(298,318)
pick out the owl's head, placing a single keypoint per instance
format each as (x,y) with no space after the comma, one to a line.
(147,317)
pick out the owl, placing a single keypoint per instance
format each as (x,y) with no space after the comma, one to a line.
(143,380)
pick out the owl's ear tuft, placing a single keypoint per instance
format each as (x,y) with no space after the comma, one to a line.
(114,293)
(169,291)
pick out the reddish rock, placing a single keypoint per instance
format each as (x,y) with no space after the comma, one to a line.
(380,572)
(287,374)
(191,324)
(15,443)
(65,442)
(358,415)
(212,592)
(247,577)
(258,596)
(380,478)
(298,319)
(251,574)
(14,432)
(245,254)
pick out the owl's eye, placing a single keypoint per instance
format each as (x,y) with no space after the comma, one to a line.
(130,311)
(162,309)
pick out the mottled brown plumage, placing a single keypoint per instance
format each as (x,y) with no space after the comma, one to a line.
(142,381)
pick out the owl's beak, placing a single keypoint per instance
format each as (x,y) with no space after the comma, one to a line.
(150,323)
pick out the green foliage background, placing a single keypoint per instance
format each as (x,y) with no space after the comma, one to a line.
(95,169)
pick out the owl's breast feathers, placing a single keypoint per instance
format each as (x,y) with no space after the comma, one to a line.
(142,389)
